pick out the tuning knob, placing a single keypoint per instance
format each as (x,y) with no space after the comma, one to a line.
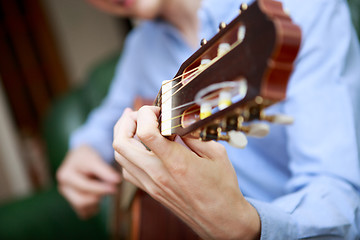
(234,138)
(223,49)
(278,119)
(203,42)
(243,7)
(258,130)
(237,139)
(222,25)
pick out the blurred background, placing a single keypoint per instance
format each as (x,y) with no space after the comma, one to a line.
(57,59)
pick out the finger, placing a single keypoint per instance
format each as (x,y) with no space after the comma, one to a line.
(102,171)
(209,149)
(83,204)
(124,142)
(140,163)
(132,173)
(132,179)
(86,183)
(124,132)
(149,175)
(128,113)
(148,132)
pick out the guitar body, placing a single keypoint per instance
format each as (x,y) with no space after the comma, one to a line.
(152,221)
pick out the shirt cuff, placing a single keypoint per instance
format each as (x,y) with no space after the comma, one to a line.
(98,143)
(275,223)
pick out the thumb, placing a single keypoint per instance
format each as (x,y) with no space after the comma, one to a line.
(103,171)
(210,149)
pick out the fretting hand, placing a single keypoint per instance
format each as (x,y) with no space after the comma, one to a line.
(197,182)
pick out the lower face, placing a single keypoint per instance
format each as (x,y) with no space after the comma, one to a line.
(143,9)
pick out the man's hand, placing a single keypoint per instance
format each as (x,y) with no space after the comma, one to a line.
(84,178)
(197,182)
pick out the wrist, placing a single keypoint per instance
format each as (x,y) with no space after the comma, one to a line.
(245,223)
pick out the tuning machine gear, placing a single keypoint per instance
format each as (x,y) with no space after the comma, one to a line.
(214,132)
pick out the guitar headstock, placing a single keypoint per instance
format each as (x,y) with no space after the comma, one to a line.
(233,77)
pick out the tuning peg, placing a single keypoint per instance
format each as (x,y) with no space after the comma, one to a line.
(241,33)
(204,64)
(205,61)
(257,130)
(223,49)
(237,139)
(222,25)
(224,99)
(278,119)
(203,42)
(243,7)
(205,110)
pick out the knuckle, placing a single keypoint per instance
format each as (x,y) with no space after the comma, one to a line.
(119,146)
(126,175)
(116,143)
(78,206)
(145,136)
(153,190)
(177,168)
(219,150)
(84,203)
(61,175)
(160,179)
(116,126)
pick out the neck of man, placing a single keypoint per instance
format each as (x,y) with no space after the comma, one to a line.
(183,15)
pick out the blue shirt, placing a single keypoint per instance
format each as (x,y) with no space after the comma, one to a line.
(303,179)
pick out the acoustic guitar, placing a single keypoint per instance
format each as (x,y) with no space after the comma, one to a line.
(218,93)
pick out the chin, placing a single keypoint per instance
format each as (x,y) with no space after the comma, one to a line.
(147,15)
(148,9)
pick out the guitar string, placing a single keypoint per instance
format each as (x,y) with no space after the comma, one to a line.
(191,77)
(171,128)
(192,73)
(187,113)
(173,118)
(190,103)
(192,70)
(171,80)
(195,75)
